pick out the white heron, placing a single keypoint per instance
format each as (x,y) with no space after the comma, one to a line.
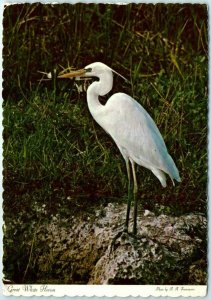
(131,127)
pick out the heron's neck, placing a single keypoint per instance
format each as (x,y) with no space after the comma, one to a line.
(99,88)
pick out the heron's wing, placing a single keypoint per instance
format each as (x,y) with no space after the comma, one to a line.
(135,132)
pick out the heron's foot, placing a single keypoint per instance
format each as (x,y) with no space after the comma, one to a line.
(123,234)
(113,243)
(134,230)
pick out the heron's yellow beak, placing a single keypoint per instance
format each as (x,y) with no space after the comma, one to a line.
(72,74)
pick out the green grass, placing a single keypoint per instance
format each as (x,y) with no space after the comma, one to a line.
(52,147)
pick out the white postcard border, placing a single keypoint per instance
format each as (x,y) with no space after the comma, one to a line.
(105,290)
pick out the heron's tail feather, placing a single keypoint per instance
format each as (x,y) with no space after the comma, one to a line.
(160,175)
(172,170)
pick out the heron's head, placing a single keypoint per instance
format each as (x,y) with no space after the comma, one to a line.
(96,69)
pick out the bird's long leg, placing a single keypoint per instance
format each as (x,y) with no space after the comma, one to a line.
(129,196)
(128,207)
(135,190)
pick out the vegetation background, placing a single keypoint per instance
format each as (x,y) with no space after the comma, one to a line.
(56,158)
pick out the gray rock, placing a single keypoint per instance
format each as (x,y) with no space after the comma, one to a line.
(167,250)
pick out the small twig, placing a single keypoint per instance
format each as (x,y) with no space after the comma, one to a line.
(30,255)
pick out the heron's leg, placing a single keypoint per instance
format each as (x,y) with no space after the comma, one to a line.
(128,208)
(135,190)
(129,196)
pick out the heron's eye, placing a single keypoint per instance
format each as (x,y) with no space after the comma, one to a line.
(88,70)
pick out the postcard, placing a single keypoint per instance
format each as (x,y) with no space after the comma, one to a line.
(105,124)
